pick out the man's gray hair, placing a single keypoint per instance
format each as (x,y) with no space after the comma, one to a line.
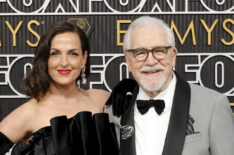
(147,21)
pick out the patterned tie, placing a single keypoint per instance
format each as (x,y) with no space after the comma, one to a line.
(144,105)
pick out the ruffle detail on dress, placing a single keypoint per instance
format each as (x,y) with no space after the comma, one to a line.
(82,134)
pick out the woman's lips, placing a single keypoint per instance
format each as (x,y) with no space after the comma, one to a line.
(64,71)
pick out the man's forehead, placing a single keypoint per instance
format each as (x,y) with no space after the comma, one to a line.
(148,37)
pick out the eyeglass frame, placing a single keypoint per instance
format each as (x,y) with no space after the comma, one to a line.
(148,51)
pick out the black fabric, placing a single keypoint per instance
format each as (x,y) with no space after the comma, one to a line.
(82,134)
(5,144)
(127,120)
(176,132)
(121,95)
(144,105)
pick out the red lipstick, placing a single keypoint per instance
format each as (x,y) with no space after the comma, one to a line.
(64,71)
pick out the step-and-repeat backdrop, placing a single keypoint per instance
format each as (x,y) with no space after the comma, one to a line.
(204,32)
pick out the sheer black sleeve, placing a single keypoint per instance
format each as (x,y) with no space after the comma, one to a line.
(121,95)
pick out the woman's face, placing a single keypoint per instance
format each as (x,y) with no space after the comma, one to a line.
(66,59)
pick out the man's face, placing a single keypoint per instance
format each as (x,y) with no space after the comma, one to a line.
(153,75)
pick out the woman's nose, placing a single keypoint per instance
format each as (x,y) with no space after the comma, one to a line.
(64,61)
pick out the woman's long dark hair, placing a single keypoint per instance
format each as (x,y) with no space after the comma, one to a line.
(37,81)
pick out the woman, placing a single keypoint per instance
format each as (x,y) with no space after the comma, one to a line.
(54,120)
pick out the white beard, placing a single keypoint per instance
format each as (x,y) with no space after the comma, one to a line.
(150,87)
(153,88)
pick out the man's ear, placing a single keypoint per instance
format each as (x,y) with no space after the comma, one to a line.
(174,54)
(127,58)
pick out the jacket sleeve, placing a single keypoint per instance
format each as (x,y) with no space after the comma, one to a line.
(222,128)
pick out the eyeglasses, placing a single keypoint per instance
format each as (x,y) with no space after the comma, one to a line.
(141,54)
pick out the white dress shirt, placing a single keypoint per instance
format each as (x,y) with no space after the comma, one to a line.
(151,128)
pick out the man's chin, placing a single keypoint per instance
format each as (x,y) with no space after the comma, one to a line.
(151,87)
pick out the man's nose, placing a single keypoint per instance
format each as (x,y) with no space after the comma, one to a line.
(151,60)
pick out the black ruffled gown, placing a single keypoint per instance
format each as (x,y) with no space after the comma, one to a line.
(82,134)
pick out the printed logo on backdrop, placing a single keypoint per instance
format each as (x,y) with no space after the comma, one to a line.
(83,24)
(69,7)
(114,64)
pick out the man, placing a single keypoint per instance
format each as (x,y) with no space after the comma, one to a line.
(179,118)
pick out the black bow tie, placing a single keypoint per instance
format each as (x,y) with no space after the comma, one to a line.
(144,105)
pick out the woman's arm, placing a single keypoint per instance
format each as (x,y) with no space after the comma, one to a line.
(16,126)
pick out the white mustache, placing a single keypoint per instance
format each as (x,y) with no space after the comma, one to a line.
(152,68)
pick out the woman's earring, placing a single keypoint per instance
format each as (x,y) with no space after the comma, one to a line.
(83,75)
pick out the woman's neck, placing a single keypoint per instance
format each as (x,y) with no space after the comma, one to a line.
(63,90)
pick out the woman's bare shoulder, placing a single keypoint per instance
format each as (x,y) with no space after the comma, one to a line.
(100,96)
(99,93)
(17,124)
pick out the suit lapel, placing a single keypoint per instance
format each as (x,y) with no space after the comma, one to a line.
(178,120)
(127,131)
